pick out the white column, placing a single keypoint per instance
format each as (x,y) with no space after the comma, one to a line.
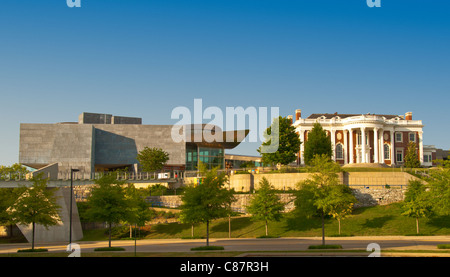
(333,143)
(363,145)
(302,147)
(421,147)
(350,151)
(381,146)
(375,145)
(392,148)
(345,147)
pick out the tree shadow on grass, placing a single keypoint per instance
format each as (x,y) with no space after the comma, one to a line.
(236,224)
(439,221)
(303,223)
(170,228)
(377,222)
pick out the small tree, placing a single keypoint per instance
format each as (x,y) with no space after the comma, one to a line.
(417,203)
(339,202)
(139,209)
(315,191)
(288,144)
(152,159)
(317,143)
(36,205)
(107,202)
(208,200)
(265,204)
(411,157)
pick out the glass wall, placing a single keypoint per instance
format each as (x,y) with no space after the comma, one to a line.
(212,157)
(191,157)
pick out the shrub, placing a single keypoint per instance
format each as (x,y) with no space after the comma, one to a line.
(326,246)
(109,249)
(201,248)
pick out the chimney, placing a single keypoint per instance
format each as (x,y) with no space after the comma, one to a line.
(408,116)
(298,114)
(290,118)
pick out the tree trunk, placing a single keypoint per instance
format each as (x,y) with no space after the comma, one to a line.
(417,225)
(229,226)
(192,230)
(323,229)
(207,233)
(267,231)
(339,220)
(110,235)
(32,236)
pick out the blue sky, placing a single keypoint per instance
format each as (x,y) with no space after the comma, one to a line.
(144,58)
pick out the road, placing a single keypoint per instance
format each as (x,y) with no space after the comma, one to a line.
(248,244)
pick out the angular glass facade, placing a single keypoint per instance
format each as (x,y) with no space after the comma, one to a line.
(212,157)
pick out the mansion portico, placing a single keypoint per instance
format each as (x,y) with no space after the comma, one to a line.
(364,138)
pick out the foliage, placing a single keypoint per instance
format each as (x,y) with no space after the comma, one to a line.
(339,202)
(288,144)
(317,143)
(208,200)
(37,204)
(439,186)
(13,172)
(265,204)
(107,202)
(322,193)
(152,159)
(417,203)
(139,212)
(7,198)
(411,156)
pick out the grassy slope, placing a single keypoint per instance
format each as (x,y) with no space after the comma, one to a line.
(378,221)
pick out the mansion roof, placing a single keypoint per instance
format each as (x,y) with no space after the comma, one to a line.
(330,116)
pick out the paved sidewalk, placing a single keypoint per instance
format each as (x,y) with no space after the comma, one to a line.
(248,244)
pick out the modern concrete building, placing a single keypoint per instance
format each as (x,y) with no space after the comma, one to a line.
(99,142)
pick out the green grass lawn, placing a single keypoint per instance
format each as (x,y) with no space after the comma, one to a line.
(377,221)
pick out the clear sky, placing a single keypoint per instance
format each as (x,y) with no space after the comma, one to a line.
(144,58)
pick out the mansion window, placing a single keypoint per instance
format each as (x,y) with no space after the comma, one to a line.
(427,158)
(339,152)
(387,152)
(398,137)
(399,156)
(412,137)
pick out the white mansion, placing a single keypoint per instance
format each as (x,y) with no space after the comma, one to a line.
(365,138)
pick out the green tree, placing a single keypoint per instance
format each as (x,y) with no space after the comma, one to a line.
(411,157)
(152,159)
(339,202)
(208,200)
(314,195)
(439,186)
(107,202)
(288,143)
(417,203)
(265,204)
(36,205)
(139,210)
(317,143)
(12,172)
